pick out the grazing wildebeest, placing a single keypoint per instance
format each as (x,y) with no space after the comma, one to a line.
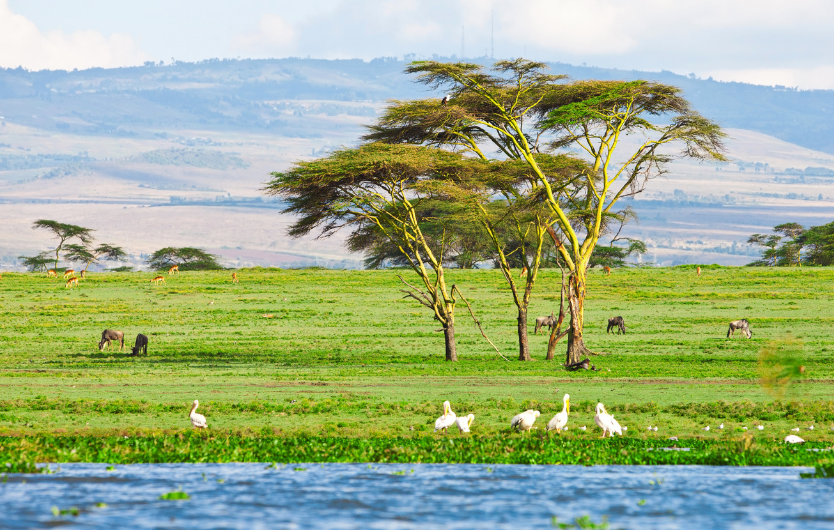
(140,345)
(548,322)
(109,335)
(616,322)
(740,325)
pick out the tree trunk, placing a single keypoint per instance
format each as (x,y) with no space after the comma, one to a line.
(576,306)
(523,347)
(451,347)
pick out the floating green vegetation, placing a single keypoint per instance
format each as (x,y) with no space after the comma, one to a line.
(584,522)
(70,511)
(535,448)
(821,471)
(178,495)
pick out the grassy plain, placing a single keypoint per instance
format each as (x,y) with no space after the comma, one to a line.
(293,354)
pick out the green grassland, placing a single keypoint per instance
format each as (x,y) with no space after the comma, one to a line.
(302,354)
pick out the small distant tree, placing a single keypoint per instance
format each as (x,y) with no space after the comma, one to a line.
(64,232)
(39,263)
(819,242)
(187,258)
(614,256)
(85,254)
(780,250)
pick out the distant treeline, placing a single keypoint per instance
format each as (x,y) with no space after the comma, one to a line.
(191,157)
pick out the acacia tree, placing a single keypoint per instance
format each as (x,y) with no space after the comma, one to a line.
(38,263)
(780,250)
(520,110)
(187,258)
(87,255)
(377,185)
(64,232)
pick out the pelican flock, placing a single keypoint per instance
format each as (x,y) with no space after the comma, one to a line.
(447,419)
(560,420)
(197,420)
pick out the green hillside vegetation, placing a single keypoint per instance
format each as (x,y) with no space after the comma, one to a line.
(317,358)
(191,157)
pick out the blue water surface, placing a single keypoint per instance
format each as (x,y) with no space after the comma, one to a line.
(399,496)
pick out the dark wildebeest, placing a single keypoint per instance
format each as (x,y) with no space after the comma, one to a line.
(548,322)
(616,322)
(141,345)
(109,335)
(740,325)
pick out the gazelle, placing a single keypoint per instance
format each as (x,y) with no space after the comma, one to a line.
(234,278)
(71,281)
(69,272)
(158,280)
(83,274)
(523,273)
(51,273)
(699,271)
(174,269)
(607,270)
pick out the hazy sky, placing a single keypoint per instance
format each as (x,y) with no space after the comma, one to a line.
(787,42)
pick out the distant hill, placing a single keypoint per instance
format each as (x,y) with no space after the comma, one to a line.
(274,95)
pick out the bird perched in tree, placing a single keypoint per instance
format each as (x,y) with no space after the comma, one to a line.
(445,100)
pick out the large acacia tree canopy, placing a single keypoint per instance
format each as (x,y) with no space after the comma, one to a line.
(331,192)
(186,258)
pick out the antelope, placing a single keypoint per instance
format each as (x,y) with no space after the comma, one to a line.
(51,273)
(607,270)
(174,269)
(83,274)
(158,279)
(71,281)
(699,271)
(234,278)
(69,272)
(523,272)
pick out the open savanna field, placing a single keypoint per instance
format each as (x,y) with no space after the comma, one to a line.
(322,365)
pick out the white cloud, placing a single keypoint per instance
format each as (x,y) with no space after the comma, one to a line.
(23,44)
(273,35)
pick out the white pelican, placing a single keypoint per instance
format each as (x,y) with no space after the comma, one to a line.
(604,420)
(616,427)
(795,429)
(560,419)
(447,419)
(465,422)
(525,420)
(794,439)
(197,420)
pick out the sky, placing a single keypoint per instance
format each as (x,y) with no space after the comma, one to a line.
(769,42)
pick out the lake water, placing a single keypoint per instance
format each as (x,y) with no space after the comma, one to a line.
(456,496)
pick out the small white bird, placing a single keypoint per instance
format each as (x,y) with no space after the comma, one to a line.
(445,100)
(673,438)
(197,420)
(649,428)
(721,426)
(465,422)
(582,428)
(560,420)
(744,428)
(760,427)
(447,419)
(525,420)
(705,428)
(793,439)
(811,428)
(795,429)
(654,428)
(564,429)
(624,428)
